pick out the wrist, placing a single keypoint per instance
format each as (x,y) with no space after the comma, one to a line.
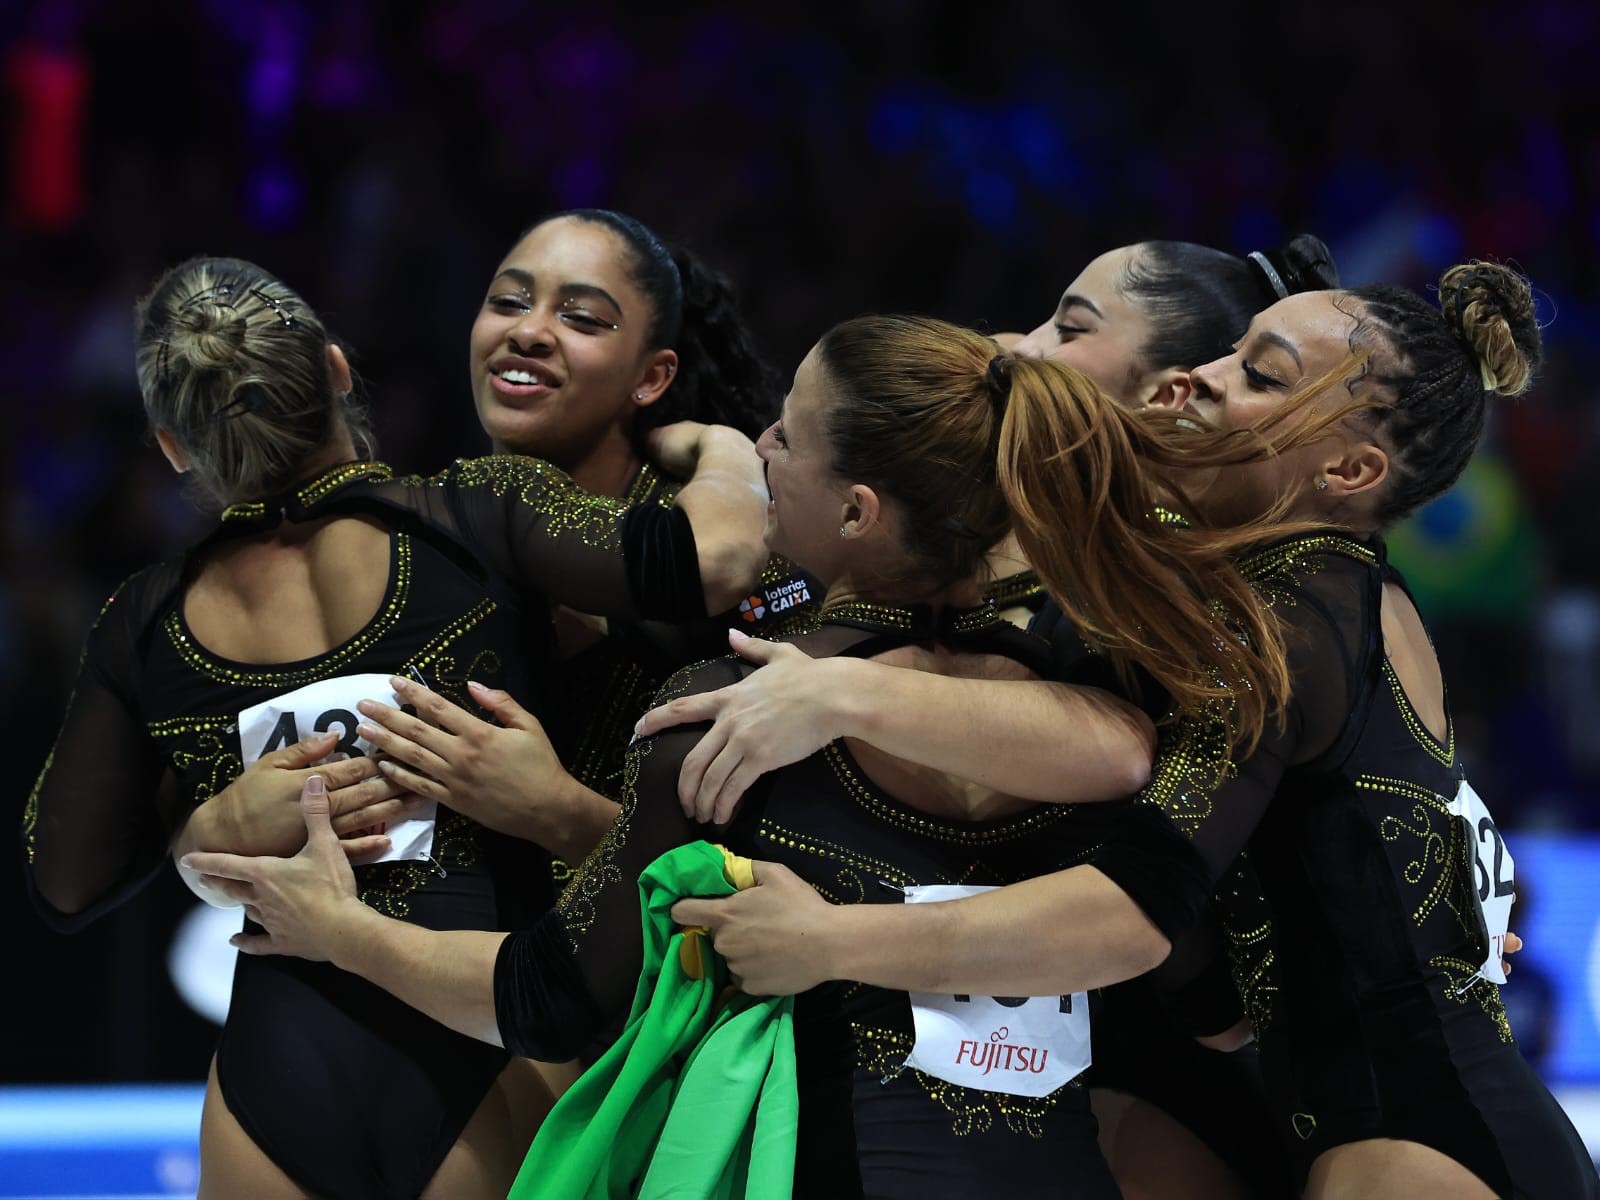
(842,696)
(354,933)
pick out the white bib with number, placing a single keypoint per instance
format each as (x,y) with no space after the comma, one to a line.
(323,707)
(1493,875)
(1020,1045)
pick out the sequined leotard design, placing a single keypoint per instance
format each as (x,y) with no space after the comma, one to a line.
(351,1092)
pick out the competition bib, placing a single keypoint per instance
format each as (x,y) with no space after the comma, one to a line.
(323,707)
(1020,1045)
(1493,876)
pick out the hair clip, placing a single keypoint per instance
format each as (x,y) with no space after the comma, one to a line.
(277,309)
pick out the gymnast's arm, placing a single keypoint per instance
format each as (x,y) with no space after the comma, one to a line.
(97,822)
(1088,926)
(541,992)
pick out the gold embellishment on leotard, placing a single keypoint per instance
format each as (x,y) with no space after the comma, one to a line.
(651,487)
(1292,559)
(317,490)
(1304,1125)
(856,868)
(600,871)
(1419,731)
(883,616)
(1192,763)
(441,670)
(871,799)
(1015,589)
(1166,516)
(325,665)
(387,886)
(1251,958)
(565,507)
(201,744)
(1462,983)
(883,1052)
(1439,848)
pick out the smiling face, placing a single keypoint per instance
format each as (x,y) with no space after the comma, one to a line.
(1097,329)
(559,360)
(1293,344)
(808,501)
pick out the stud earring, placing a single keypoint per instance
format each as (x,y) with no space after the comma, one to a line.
(638,395)
(1322,485)
(841,531)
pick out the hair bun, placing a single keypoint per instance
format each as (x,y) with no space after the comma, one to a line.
(1490,309)
(208,335)
(1302,264)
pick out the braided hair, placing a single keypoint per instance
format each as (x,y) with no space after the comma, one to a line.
(1435,369)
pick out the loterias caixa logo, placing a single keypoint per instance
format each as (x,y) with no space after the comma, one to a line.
(779,598)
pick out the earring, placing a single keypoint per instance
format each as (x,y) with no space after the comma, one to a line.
(1322,485)
(841,531)
(638,395)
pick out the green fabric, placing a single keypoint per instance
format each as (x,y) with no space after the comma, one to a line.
(697,1099)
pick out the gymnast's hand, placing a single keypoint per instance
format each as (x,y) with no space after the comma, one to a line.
(302,901)
(506,777)
(259,812)
(775,716)
(767,933)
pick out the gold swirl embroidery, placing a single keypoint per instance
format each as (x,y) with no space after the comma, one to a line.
(317,490)
(207,745)
(1192,764)
(387,886)
(1462,983)
(439,669)
(1440,850)
(883,1052)
(850,887)
(325,665)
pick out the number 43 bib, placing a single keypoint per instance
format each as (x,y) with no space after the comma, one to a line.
(1020,1045)
(1492,873)
(323,707)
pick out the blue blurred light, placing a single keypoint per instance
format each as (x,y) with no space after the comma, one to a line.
(992,198)
(1446,519)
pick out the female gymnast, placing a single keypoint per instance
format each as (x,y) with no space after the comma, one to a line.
(325,570)
(887,476)
(1360,940)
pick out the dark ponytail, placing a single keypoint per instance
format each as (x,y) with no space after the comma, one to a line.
(721,378)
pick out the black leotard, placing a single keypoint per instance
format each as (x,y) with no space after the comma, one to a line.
(868,1127)
(351,1092)
(1355,952)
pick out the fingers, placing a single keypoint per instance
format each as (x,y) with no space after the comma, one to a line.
(1512,943)
(770,872)
(716,799)
(303,753)
(360,850)
(739,781)
(358,796)
(400,735)
(347,773)
(431,707)
(506,710)
(314,808)
(685,710)
(698,912)
(252,943)
(415,782)
(223,866)
(234,889)
(692,794)
(376,816)
(751,649)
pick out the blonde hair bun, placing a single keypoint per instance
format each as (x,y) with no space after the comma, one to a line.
(1491,309)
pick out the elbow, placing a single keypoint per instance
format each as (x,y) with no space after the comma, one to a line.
(1136,757)
(728,571)
(1149,950)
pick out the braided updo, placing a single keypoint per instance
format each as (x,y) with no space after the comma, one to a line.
(1435,369)
(234,366)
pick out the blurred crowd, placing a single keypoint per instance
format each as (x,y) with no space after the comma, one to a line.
(885,155)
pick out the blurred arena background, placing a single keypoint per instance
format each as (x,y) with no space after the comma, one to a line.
(886,155)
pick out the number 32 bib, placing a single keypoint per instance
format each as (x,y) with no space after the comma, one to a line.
(1020,1045)
(323,707)
(1493,876)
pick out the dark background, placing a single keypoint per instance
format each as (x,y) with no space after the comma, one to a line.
(964,160)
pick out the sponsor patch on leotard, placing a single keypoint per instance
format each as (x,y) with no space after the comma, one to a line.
(1020,1045)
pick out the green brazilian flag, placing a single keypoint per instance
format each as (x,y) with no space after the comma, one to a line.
(697,1099)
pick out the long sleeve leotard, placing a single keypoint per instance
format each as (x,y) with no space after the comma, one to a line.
(351,1092)
(868,1126)
(1346,890)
